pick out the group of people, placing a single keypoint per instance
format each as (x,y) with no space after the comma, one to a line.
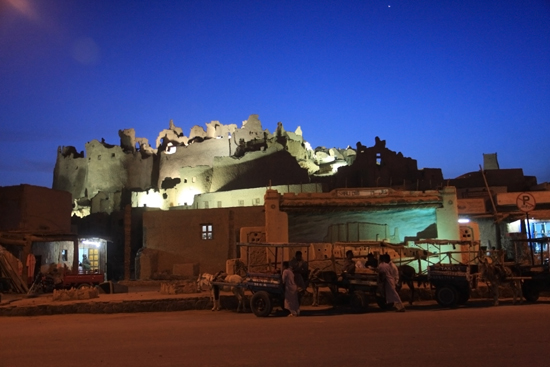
(295,275)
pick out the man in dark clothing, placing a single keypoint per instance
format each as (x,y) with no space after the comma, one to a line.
(349,264)
(300,269)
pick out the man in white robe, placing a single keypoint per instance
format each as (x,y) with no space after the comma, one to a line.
(389,275)
(291,291)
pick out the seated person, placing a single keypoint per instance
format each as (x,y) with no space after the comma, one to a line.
(349,264)
(86,265)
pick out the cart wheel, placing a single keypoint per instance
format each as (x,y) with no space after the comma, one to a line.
(84,286)
(446,296)
(381,302)
(530,294)
(359,300)
(261,304)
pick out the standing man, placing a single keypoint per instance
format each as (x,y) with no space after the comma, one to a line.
(291,291)
(301,272)
(388,275)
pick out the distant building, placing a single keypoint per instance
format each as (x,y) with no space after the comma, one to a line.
(489,198)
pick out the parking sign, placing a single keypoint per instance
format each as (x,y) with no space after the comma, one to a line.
(526,202)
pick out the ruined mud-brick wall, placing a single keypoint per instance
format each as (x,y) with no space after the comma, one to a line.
(106,168)
(222,158)
(378,166)
(274,166)
(111,169)
(71,169)
(196,154)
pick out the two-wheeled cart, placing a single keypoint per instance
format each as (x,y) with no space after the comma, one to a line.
(453,283)
(263,277)
(531,262)
(362,288)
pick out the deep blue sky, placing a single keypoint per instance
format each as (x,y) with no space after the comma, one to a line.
(441,81)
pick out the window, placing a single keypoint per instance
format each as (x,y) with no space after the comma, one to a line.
(378,159)
(207,233)
(93,256)
(241,202)
(64,255)
(219,204)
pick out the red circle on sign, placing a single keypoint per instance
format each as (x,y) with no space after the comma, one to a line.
(526,202)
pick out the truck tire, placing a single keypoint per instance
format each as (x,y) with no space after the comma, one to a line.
(529,292)
(446,296)
(261,304)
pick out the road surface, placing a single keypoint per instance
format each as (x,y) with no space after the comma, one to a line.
(425,335)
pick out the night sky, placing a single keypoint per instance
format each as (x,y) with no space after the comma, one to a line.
(441,81)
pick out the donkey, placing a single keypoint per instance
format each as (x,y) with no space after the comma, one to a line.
(205,281)
(322,278)
(406,275)
(496,274)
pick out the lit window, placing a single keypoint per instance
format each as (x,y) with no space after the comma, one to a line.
(207,233)
(64,255)
(378,159)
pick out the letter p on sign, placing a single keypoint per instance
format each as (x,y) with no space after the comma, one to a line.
(526,202)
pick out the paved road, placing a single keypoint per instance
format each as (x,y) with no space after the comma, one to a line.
(476,335)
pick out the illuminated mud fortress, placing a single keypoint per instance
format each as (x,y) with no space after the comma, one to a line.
(215,167)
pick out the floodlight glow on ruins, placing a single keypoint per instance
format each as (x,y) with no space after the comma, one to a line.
(337,165)
(152,199)
(187,197)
